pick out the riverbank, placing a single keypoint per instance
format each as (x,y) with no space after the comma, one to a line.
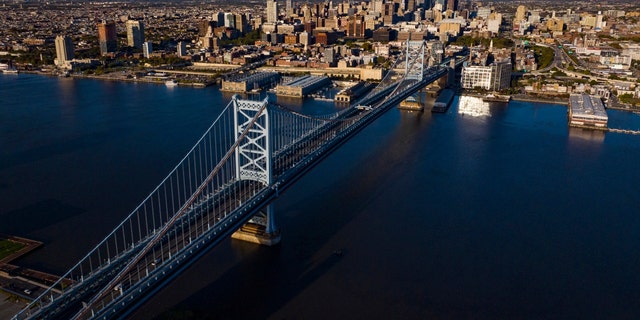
(18,284)
(541,99)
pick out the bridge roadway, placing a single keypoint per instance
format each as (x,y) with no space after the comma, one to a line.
(199,235)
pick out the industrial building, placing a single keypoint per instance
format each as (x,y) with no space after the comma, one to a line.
(247,83)
(354,92)
(587,111)
(302,86)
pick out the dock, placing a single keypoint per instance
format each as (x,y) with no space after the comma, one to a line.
(21,282)
(587,111)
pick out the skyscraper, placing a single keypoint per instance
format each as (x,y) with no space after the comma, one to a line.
(107,37)
(452,5)
(289,7)
(272,11)
(521,13)
(135,33)
(64,49)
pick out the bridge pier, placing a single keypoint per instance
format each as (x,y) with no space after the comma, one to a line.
(261,229)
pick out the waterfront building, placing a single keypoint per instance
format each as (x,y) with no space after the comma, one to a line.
(135,33)
(107,37)
(272,11)
(501,75)
(496,76)
(587,111)
(476,77)
(147,49)
(64,50)
(245,83)
(302,86)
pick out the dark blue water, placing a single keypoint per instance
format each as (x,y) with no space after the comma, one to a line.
(488,211)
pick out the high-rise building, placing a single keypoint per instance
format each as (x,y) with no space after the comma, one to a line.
(64,49)
(147,49)
(206,27)
(289,7)
(272,11)
(242,23)
(135,33)
(356,27)
(229,20)
(107,37)
(182,49)
(521,13)
(452,5)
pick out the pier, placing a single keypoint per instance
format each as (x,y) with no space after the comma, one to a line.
(246,83)
(21,282)
(302,86)
(625,131)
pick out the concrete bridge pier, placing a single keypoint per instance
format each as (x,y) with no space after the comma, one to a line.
(261,229)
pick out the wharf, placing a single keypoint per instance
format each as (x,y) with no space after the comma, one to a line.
(540,99)
(24,283)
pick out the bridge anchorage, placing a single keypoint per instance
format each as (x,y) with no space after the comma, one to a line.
(254,162)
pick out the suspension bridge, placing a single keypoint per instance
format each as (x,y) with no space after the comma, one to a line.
(251,153)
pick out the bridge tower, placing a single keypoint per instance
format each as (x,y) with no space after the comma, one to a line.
(253,162)
(414,60)
(414,70)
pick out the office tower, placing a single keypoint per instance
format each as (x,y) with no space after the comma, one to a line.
(272,11)
(229,20)
(521,13)
(64,49)
(452,5)
(242,23)
(206,27)
(107,37)
(219,18)
(289,7)
(356,27)
(182,49)
(135,33)
(440,5)
(147,49)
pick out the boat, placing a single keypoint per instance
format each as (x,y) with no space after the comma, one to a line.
(170,83)
(10,71)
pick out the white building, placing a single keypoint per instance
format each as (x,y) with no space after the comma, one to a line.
(272,11)
(147,49)
(64,50)
(476,77)
(495,77)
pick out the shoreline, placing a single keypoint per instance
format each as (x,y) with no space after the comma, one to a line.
(118,78)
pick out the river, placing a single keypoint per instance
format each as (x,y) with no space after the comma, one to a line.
(488,211)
